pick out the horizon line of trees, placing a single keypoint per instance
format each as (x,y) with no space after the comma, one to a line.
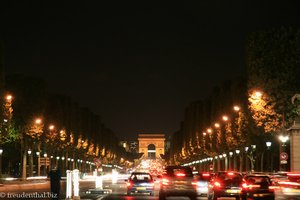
(273,71)
(76,131)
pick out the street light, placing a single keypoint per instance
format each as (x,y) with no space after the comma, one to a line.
(38,121)
(225,118)
(236,108)
(268,144)
(30,162)
(283,139)
(1,151)
(283,155)
(38,163)
(251,156)
(237,152)
(217,125)
(45,161)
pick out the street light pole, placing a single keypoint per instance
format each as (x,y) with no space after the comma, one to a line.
(283,155)
(45,162)
(246,159)
(1,151)
(237,152)
(268,144)
(30,162)
(230,160)
(38,163)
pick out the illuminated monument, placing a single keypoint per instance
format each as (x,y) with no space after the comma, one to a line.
(152,145)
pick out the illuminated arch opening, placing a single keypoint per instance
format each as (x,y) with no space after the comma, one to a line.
(151,151)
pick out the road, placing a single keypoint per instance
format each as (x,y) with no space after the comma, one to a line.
(117,190)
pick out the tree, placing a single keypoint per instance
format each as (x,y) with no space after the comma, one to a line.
(273,65)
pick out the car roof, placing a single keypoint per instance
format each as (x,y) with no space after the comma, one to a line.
(140,173)
(177,167)
(257,175)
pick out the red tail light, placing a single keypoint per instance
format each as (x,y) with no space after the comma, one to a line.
(180,174)
(249,186)
(206,174)
(273,187)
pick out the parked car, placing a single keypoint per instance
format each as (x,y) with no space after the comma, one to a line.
(202,181)
(257,186)
(140,183)
(225,184)
(178,181)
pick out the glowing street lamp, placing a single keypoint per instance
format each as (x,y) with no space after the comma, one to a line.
(8,97)
(257,94)
(1,151)
(225,118)
(269,168)
(283,139)
(236,108)
(30,162)
(51,127)
(217,125)
(268,144)
(38,121)
(283,160)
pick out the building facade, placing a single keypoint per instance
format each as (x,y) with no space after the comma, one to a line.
(152,145)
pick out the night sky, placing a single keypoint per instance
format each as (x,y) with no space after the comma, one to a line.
(136,65)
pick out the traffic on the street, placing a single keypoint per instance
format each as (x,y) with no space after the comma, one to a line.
(174,182)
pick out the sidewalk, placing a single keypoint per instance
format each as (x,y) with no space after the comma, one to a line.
(17,185)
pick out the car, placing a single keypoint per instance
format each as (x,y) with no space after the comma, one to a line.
(140,183)
(177,181)
(257,186)
(288,188)
(202,181)
(225,184)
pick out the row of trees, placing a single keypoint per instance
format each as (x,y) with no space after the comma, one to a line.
(263,98)
(53,125)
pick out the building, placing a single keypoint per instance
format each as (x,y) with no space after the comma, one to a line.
(152,145)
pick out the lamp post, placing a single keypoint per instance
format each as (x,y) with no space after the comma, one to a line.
(237,152)
(38,163)
(283,155)
(1,151)
(230,160)
(270,165)
(57,161)
(246,159)
(30,162)
(252,157)
(45,166)
(225,161)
